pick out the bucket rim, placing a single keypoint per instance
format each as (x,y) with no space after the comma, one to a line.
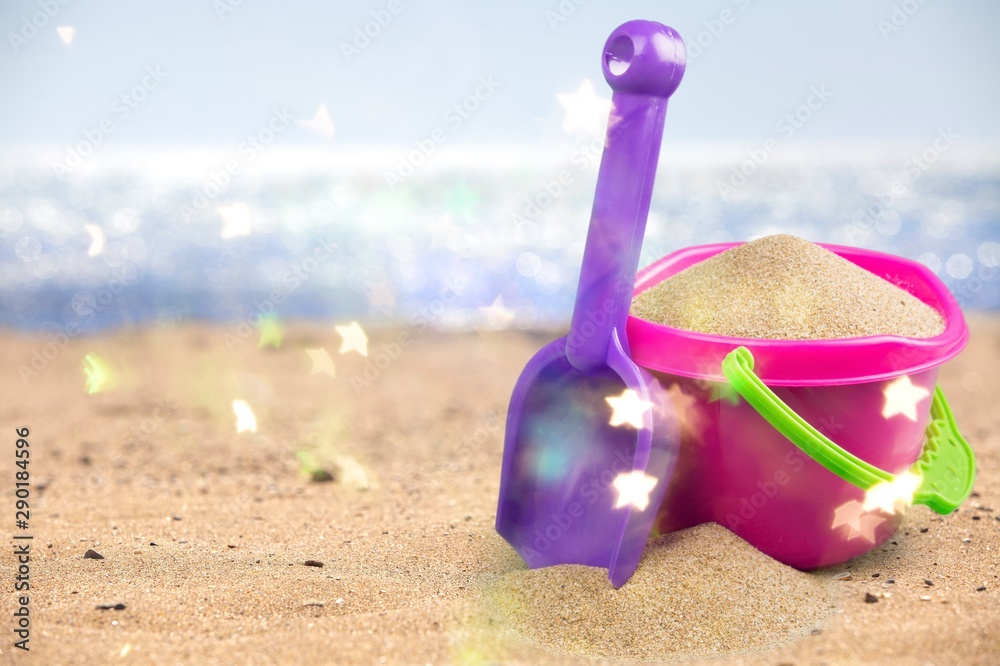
(829,362)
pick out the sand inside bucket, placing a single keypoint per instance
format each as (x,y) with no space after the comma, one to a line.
(698,592)
(785,288)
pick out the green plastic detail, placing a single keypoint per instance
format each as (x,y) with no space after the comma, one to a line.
(721,391)
(738,369)
(947,466)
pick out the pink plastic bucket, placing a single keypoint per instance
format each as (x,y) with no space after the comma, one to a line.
(736,470)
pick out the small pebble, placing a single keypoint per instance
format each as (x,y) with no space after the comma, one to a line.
(92,554)
(313,563)
(876,575)
(891,581)
(923,529)
(981,588)
(320,476)
(843,575)
(117,607)
(925,598)
(928,581)
(870,598)
(153,543)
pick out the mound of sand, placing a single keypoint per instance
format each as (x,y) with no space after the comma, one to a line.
(698,592)
(785,288)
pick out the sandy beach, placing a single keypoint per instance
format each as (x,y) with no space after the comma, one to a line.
(355,526)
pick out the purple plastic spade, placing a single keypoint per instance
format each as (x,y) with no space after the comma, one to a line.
(576,489)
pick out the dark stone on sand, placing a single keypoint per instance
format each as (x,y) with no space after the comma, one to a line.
(92,554)
(320,476)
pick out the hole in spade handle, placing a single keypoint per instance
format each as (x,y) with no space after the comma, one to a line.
(619,55)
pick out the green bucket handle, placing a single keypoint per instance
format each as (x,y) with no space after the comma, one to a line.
(946,466)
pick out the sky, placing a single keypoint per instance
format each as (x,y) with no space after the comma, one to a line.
(892,71)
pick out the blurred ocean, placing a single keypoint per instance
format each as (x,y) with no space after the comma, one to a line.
(459,243)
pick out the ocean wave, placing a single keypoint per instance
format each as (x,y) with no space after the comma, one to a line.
(126,244)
